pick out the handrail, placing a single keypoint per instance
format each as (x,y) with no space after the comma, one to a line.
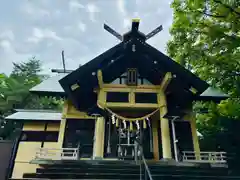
(212,157)
(146,167)
(57,153)
(147,171)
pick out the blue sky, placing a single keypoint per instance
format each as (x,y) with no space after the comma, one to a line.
(43,28)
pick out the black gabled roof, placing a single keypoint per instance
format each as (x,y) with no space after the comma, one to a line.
(133,51)
(84,74)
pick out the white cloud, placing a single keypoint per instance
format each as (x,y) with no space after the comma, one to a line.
(6,45)
(34,11)
(74,5)
(7,35)
(136,14)
(49,27)
(92,9)
(127,23)
(121,6)
(40,34)
(9,55)
(82,26)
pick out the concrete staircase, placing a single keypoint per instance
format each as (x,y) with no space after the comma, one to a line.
(128,170)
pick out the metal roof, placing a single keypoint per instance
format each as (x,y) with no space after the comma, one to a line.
(212,92)
(35,115)
(50,85)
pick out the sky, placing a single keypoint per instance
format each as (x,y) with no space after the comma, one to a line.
(43,28)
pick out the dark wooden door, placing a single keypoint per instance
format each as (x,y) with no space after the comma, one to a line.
(79,134)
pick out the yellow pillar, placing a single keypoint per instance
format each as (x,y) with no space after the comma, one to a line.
(61,133)
(155,140)
(196,146)
(62,125)
(98,150)
(165,132)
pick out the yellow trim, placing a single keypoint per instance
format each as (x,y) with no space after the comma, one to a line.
(102,96)
(133,89)
(71,112)
(129,105)
(196,146)
(100,78)
(193,90)
(166,80)
(165,132)
(53,126)
(74,87)
(21,168)
(63,124)
(98,150)
(33,126)
(131,97)
(61,133)
(136,20)
(65,109)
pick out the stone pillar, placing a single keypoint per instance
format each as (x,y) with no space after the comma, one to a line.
(98,147)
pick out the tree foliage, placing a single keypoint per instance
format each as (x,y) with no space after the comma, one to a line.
(14,93)
(206,40)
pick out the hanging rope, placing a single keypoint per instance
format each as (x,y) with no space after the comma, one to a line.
(131,119)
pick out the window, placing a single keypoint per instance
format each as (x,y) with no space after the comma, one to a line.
(132,77)
(40,136)
(117,97)
(146,98)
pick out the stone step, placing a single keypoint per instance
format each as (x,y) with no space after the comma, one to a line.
(82,175)
(88,170)
(153,170)
(89,163)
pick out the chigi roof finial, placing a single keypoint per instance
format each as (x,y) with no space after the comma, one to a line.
(134,32)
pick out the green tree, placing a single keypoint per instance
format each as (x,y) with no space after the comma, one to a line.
(206,40)
(14,93)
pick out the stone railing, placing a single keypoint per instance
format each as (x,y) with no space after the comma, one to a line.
(204,157)
(57,154)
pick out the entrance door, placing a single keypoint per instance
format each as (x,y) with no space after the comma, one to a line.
(127,146)
(120,142)
(79,134)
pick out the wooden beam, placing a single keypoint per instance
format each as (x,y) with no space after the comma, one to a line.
(140,86)
(65,109)
(63,124)
(73,113)
(155,129)
(130,105)
(74,87)
(98,147)
(131,89)
(166,80)
(131,97)
(100,78)
(164,123)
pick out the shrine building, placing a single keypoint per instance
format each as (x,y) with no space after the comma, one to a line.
(130,90)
